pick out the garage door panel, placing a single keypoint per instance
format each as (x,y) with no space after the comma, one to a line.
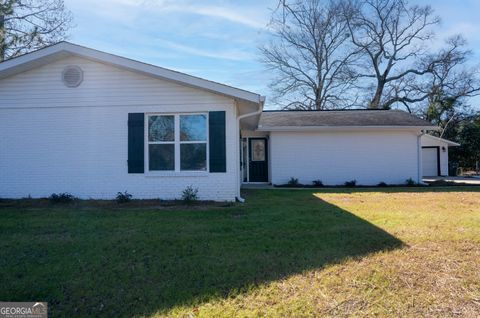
(430,162)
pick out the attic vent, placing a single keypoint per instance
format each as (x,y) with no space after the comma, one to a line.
(72,76)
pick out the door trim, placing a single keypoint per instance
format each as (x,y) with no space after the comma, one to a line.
(439,170)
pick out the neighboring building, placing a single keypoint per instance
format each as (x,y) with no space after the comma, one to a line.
(77,120)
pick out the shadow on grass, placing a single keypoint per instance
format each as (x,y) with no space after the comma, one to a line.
(136,262)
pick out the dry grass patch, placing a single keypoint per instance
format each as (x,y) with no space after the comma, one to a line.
(436,273)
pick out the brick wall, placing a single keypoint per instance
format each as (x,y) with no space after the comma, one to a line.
(59,139)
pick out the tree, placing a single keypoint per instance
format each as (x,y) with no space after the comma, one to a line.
(452,83)
(466,131)
(27,25)
(393,37)
(326,54)
(311,55)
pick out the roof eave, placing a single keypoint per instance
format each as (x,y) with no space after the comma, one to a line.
(337,128)
(448,142)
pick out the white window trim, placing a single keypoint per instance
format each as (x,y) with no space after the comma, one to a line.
(177,172)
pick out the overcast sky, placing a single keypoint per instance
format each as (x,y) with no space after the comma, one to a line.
(214,39)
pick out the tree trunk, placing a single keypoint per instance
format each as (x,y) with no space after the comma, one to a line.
(318,100)
(2,37)
(375,103)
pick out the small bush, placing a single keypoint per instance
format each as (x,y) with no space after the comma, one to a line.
(318,183)
(64,197)
(123,197)
(351,183)
(190,194)
(410,182)
(382,184)
(293,182)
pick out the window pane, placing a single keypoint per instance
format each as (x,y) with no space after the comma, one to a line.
(193,156)
(161,157)
(258,150)
(193,128)
(161,128)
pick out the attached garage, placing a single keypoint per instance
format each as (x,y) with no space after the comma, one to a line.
(435,156)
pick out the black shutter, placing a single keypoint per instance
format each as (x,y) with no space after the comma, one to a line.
(218,147)
(136,130)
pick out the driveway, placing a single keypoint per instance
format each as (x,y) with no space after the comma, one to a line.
(459,180)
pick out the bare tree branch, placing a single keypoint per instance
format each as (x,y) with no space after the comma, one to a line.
(392,35)
(27,25)
(311,55)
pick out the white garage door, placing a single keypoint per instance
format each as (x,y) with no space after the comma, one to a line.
(430,162)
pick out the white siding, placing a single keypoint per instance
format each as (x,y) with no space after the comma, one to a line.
(59,139)
(429,142)
(337,157)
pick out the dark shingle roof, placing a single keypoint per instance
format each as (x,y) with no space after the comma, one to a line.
(341,118)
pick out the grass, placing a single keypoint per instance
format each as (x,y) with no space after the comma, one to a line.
(330,252)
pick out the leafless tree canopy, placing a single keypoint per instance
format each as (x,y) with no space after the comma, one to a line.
(329,53)
(451,84)
(311,55)
(394,37)
(27,25)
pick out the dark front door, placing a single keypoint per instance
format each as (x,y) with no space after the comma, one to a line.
(258,160)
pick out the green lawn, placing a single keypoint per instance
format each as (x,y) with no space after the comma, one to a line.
(366,252)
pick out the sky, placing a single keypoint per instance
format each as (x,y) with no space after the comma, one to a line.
(215,39)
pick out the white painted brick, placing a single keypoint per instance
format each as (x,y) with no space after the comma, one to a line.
(337,157)
(59,139)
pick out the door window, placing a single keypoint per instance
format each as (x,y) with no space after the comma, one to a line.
(258,150)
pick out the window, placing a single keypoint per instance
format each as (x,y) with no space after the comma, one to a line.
(258,150)
(193,142)
(161,142)
(177,142)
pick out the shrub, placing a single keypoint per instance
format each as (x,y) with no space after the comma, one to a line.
(410,182)
(382,184)
(123,197)
(293,182)
(64,197)
(318,183)
(190,194)
(351,183)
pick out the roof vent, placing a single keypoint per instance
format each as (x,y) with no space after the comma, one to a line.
(72,76)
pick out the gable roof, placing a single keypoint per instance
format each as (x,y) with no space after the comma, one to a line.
(314,120)
(65,49)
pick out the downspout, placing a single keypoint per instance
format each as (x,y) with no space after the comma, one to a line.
(257,112)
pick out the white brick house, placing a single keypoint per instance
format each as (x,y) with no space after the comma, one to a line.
(77,120)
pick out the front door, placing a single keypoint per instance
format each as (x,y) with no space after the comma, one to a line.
(258,160)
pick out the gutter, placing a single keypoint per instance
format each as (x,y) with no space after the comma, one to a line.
(261,101)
